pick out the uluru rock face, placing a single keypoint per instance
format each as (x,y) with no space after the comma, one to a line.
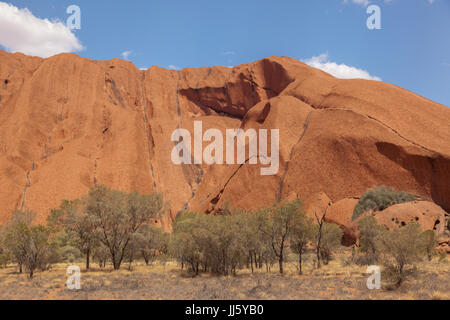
(68,123)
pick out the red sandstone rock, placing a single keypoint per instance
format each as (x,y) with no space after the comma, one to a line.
(429,215)
(68,122)
(341,213)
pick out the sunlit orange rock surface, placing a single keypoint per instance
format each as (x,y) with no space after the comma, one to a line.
(68,123)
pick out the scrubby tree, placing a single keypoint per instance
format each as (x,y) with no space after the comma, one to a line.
(73,218)
(252,241)
(429,243)
(117,217)
(318,231)
(369,233)
(66,251)
(221,244)
(276,225)
(380,198)
(4,253)
(330,239)
(100,254)
(302,234)
(182,244)
(13,240)
(150,242)
(29,244)
(401,248)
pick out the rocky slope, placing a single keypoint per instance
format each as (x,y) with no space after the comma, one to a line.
(67,123)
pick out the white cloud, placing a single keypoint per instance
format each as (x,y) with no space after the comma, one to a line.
(228,53)
(364,3)
(172,67)
(341,71)
(126,54)
(21,31)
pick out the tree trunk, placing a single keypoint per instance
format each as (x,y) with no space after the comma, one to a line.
(280,262)
(318,258)
(319,237)
(300,272)
(115,261)
(88,254)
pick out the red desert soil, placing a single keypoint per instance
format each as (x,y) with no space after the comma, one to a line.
(67,123)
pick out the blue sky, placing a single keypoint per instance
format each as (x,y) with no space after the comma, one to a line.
(411,50)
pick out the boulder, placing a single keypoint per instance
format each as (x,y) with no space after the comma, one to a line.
(429,215)
(341,214)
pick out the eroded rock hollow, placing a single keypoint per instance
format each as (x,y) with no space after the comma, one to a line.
(68,123)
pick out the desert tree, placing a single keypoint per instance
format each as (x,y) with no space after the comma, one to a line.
(100,254)
(429,243)
(72,217)
(4,253)
(151,241)
(117,217)
(331,239)
(380,198)
(401,248)
(251,239)
(30,244)
(209,243)
(369,232)
(66,250)
(318,236)
(230,248)
(183,245)
(302,234)
(276,225)
(14,243)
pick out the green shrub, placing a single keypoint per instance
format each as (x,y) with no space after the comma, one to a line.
(4,259)
(369,231)
(380,198)
(401,249)
(331,238)
(429,243)
(223,244)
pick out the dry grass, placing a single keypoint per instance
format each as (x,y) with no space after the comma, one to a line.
(339,280)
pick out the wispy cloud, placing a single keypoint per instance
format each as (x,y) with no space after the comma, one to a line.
(126,54)
(228,53)
(21,31)
(365,3)
(342,71)
(172,67)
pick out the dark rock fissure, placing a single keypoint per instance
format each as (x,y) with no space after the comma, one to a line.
(147,128)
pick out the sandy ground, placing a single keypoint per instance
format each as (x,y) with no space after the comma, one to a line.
(339,280)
